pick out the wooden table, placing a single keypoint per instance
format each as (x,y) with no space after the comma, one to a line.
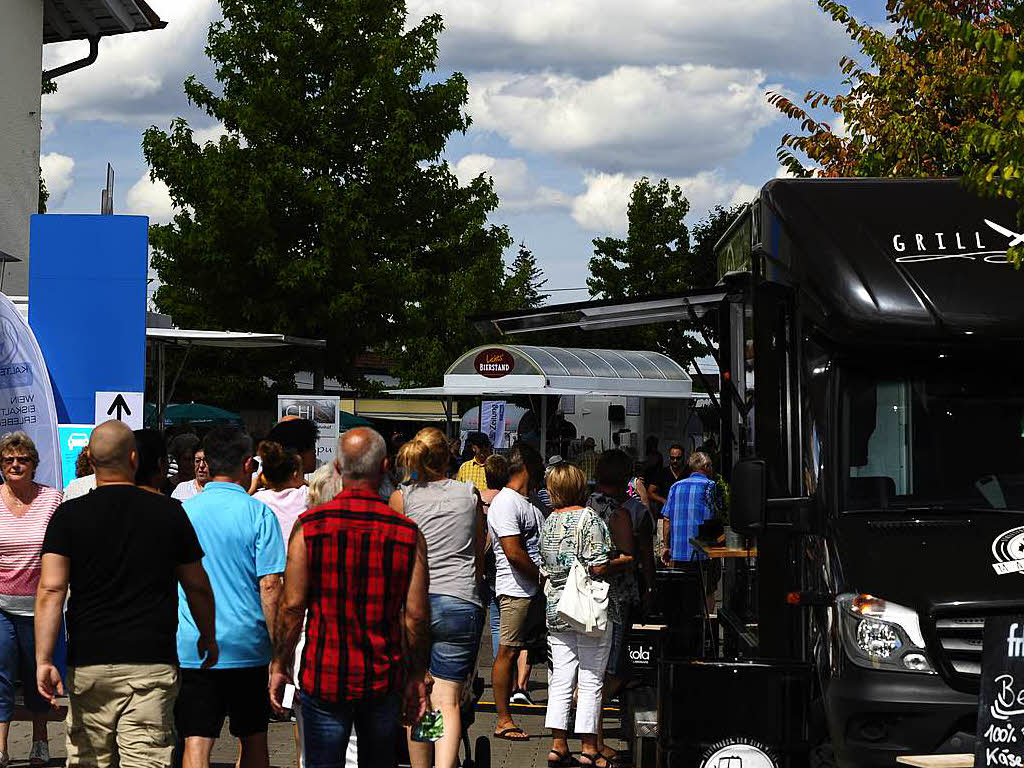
(723,552)
(938,761)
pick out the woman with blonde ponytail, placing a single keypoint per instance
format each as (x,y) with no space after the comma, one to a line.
(450,516)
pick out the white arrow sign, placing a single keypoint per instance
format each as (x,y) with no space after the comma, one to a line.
(123,406)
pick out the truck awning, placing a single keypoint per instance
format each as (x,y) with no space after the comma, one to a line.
(505,369)
(602,315)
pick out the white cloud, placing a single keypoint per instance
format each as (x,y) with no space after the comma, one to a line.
(602,206)
(211,133)
(137,78)
(150,198)
(677,120)
(516,188)
(588,38)
(58,173)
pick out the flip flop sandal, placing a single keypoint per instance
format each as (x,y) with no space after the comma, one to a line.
(594,760)
(515,733)
(617,759)
(565,759)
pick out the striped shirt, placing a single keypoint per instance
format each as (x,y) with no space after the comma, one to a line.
(359,557)
(690,502)
(473,472)
(21,546)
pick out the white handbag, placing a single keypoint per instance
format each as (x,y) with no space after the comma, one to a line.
(584,601)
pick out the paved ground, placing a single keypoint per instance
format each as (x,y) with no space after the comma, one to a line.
(487,751)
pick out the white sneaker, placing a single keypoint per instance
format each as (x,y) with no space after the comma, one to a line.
(5,759)
(519,696)
(39,756)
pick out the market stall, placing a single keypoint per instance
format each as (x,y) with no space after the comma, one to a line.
(504,370)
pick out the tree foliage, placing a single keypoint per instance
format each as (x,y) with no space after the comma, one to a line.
(905,111)
(526,281)
(659,255)
(326,209)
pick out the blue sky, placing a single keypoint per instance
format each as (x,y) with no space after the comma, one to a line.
(572,101)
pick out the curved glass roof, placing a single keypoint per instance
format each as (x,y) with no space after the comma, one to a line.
(586,363)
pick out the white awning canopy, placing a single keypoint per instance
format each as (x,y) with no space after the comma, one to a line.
(505,369)
(229,339)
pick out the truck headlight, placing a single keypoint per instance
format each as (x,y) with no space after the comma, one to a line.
(881,635)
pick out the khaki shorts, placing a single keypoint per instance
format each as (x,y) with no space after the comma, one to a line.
(121,714)
(522,619)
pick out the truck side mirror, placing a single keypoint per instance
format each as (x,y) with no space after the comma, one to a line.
(747,505)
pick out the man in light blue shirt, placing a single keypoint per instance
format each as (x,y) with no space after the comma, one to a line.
(690,502)
(245,557)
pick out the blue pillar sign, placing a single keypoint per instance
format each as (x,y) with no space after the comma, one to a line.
(87,306)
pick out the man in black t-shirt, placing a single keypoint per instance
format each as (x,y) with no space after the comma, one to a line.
(662,480)
(123,552)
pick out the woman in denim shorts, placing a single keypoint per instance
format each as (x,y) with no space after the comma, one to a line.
(450,516)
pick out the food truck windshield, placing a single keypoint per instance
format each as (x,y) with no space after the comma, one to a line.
(944,436)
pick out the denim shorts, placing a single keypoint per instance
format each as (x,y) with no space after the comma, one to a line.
(455,626)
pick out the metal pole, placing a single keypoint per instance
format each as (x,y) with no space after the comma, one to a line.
(544,427)
(161,372)
(448,418)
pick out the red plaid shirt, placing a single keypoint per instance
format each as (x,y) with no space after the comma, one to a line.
(360,555)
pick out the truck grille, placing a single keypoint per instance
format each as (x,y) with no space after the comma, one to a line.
(961,640)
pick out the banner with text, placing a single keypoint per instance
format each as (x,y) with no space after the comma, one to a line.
(322,410)
(26,398)
(492,421)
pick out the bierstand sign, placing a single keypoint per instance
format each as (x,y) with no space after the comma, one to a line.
(1001,701)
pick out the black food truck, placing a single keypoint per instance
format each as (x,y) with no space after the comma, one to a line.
(870,337)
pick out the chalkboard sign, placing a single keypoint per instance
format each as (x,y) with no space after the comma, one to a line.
(1001,701)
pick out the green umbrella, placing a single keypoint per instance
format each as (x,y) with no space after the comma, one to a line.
(198,413)
(348,421)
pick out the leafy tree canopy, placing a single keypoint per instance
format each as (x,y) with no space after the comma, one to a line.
(906,110)
(659,255)
(326,210)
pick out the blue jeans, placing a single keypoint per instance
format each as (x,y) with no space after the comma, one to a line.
(493,616)
(18,659)
(326,727)
(455,628)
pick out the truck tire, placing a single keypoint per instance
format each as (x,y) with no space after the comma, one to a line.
(822,756)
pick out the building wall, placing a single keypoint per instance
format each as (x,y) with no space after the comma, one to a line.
(21,54)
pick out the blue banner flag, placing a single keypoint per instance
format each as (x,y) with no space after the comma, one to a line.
(26,398)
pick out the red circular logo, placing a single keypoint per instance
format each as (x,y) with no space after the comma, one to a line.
(494,363)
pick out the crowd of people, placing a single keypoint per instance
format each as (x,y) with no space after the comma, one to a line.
(156,597)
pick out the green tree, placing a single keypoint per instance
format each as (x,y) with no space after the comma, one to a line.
(905,110)
(659,255)
(326,209)
(525,282)
(655,255)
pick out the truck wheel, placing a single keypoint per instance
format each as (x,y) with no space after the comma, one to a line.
(822,756)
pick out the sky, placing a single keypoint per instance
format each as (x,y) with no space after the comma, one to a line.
(571,100)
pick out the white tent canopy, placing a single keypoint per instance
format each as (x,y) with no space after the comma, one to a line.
(229,339)
(528,370)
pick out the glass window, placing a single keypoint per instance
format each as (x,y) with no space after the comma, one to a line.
(950,437)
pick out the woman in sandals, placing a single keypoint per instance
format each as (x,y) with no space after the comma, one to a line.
(573,654)
(449,515)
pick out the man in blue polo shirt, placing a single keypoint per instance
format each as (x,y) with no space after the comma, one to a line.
(245,557)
